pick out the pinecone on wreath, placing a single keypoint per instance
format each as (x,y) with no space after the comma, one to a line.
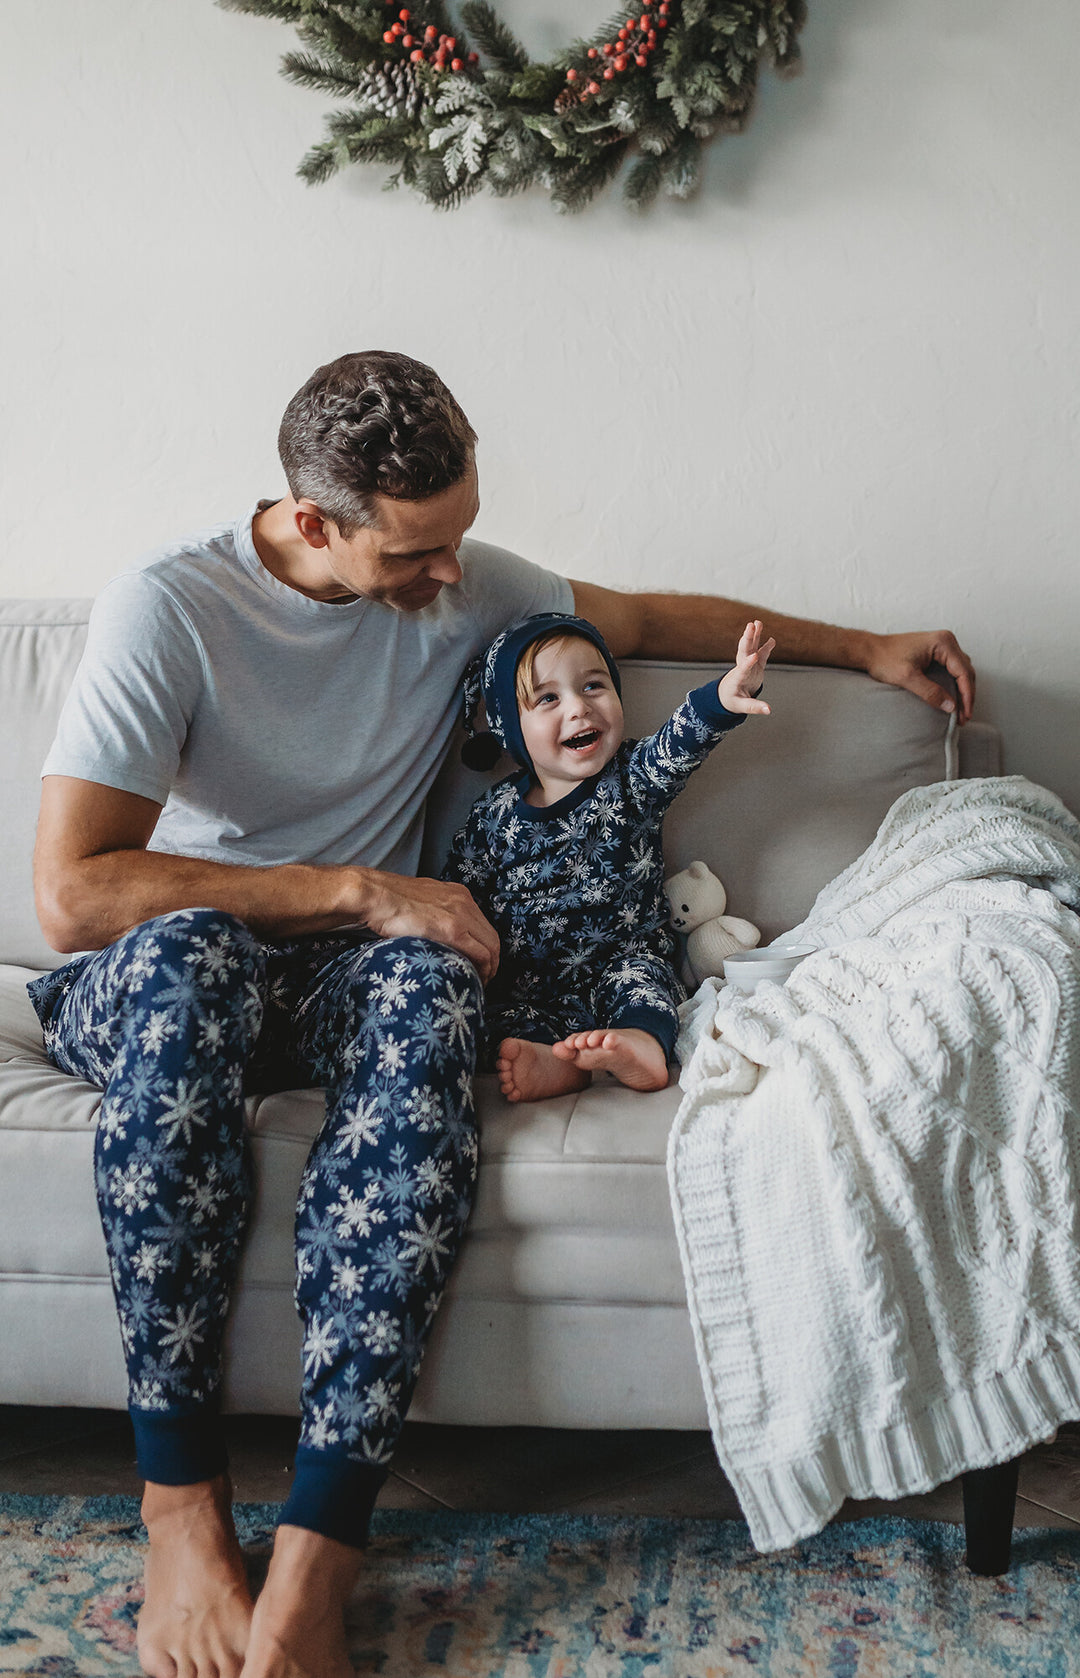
(394,91)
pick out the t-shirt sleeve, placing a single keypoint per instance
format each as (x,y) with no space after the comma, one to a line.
(659,767)
(129,708)
(502,588)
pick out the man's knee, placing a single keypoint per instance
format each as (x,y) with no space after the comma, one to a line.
(425,995)
(187,964)
(214,936)
(430,971)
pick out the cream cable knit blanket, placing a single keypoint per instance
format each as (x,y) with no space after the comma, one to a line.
(875,1170)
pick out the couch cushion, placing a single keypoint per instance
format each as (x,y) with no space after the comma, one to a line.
(786,801)
(570,1266)
(572,1200)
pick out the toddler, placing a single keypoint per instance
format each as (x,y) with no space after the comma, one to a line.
(565,859)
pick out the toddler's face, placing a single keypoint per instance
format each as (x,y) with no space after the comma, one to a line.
(575,723)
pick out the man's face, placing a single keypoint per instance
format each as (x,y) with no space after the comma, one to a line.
(410,553)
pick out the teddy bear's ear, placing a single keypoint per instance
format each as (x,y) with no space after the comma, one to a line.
(698,870)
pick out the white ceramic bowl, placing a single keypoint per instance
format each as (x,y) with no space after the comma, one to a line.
(776,962)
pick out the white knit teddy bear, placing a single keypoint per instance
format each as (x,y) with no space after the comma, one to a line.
(698,900)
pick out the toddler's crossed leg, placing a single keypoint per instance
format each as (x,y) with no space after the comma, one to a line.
(630,1032)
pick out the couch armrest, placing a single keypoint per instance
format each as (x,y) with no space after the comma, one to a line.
(980,750)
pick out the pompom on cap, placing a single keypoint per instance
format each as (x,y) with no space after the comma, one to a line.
(481,752)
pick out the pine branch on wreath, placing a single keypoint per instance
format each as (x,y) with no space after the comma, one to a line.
(453,108)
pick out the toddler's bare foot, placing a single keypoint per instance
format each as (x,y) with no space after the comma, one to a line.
(299,1626)
(530,1071)
(632,1056)
(197,1612)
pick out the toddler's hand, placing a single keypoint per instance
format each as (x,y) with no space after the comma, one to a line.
(738,687)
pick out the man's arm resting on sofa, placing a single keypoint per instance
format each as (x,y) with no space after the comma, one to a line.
(94,880)
(705,626)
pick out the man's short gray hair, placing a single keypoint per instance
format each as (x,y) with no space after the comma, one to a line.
(368,424)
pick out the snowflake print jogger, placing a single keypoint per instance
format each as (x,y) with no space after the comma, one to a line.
(392,1032)
(172,1022)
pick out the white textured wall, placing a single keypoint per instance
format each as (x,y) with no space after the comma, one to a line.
(844,381)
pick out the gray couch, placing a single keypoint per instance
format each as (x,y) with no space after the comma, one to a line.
(567,1307)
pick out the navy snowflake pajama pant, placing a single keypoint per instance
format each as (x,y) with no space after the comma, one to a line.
(175,1023)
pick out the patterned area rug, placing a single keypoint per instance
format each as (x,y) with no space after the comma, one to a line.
(495,1596)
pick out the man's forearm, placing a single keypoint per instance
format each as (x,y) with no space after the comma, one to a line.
(703,626)
(102,897)
(707,627)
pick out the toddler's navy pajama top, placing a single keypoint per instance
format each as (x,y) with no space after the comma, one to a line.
(575,889)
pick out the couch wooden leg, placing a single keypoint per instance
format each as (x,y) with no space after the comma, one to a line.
(989,1506)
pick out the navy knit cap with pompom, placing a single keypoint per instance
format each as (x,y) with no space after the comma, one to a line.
(492,677)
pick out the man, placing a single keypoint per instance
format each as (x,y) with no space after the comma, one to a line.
(231,819)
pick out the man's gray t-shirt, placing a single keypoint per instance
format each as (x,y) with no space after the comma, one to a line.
(272,727)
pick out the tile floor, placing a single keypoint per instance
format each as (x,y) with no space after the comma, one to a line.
(88,1452)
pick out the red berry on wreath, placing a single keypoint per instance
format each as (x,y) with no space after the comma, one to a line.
(620,62)
(641,61)
(389,37)
(594,87)
(431,33)
(571,75)
(456,64)
(417,56)
(592,52)
(473,58)
(609,74)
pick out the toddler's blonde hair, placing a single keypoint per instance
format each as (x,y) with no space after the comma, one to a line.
(524,684)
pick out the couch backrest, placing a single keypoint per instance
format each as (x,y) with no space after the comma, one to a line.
(41,642)
(778,809)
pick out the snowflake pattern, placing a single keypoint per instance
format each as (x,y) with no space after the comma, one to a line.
(576,890)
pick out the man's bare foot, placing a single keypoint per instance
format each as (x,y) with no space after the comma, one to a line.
(299,1626)
(530,1071)
(632,1056)
(195,1619)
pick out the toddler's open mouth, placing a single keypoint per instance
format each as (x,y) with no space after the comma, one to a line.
(581,742)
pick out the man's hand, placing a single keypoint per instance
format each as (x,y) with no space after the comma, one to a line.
(399,906)
(901,660)
(738,687)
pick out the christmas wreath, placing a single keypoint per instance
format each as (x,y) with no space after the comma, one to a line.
(454,106)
